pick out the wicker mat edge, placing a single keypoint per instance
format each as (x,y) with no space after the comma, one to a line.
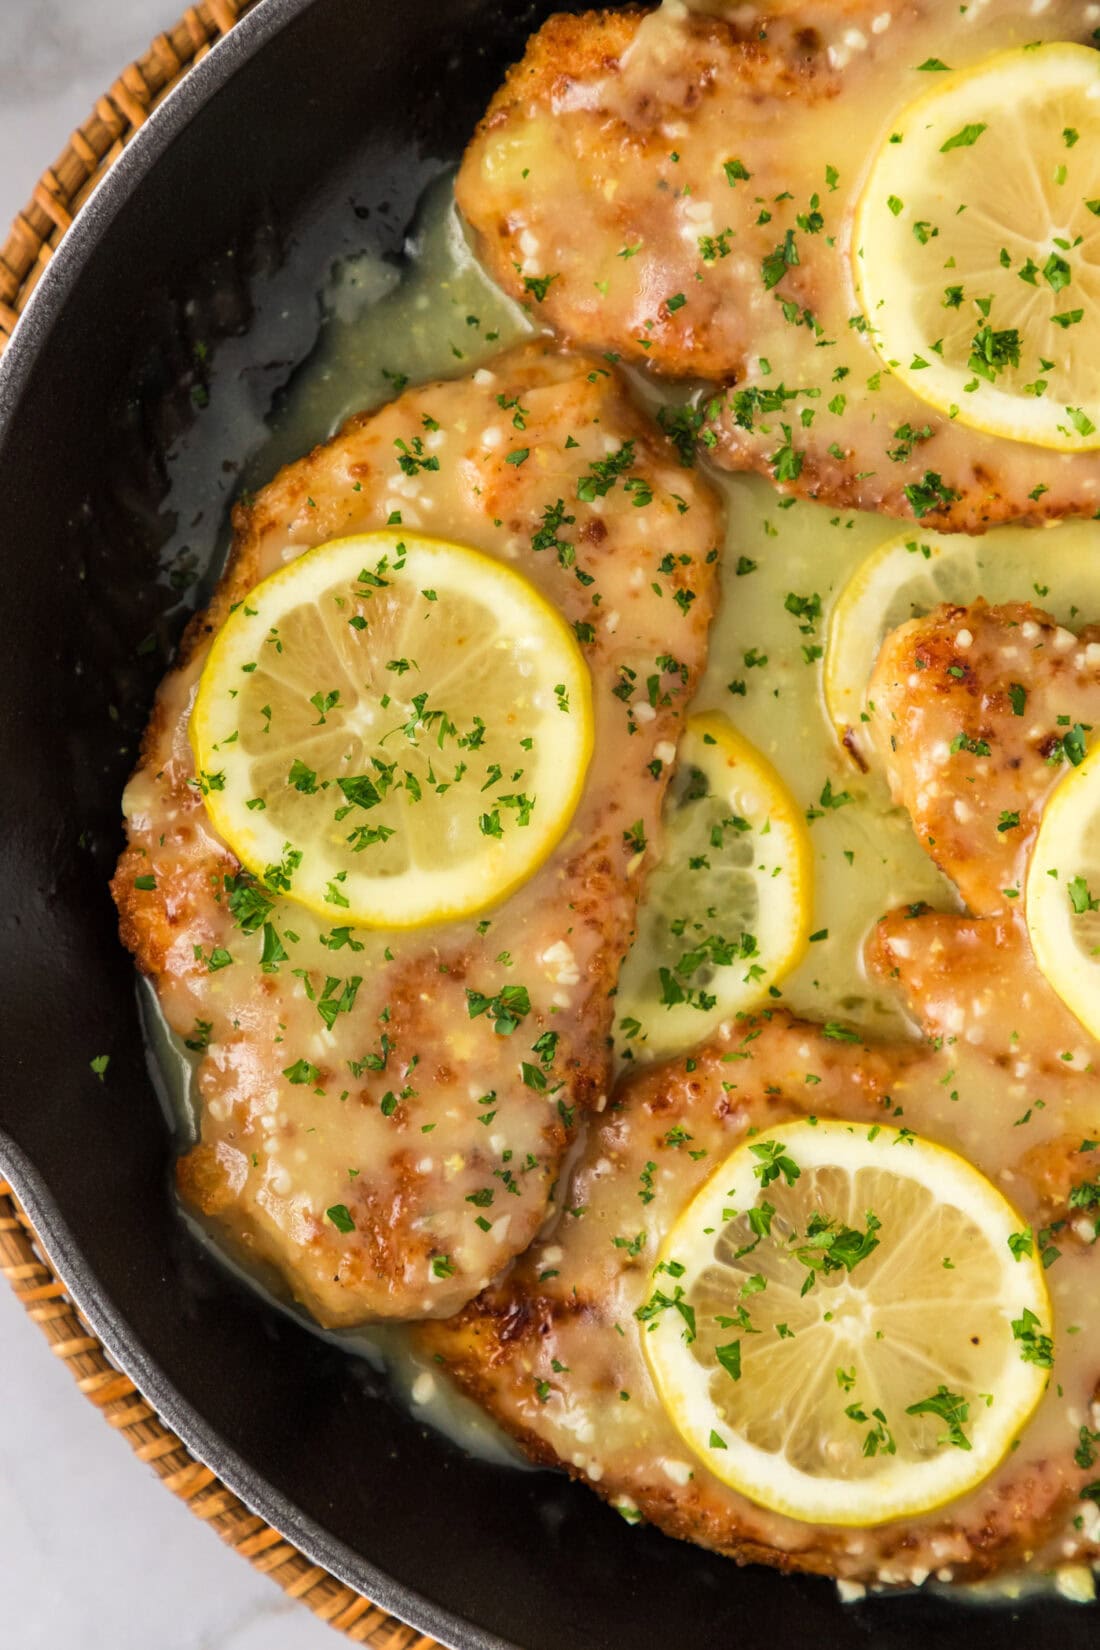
(33,239)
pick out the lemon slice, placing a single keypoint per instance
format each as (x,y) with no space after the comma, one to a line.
(909,575)
(1062,889)
(848,1324)
(727,911)
(976,242)
(393,730)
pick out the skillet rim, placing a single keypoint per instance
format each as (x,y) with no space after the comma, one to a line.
(165,123)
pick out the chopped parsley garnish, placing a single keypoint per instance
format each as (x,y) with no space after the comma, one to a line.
(964,139)
(538,286)
(1035,1347)
(951,1408)
(930,493)
(729,1357)
(604,473)
(777,263)
(507,1008)
(660,1302)
(773,1162)
(830,1246)
(301,1072)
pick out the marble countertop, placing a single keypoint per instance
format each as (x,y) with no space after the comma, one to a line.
(95,1552)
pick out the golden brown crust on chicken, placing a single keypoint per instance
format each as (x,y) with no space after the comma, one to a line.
(679,186)
(592,135)
(972,706)
(566,49)
(419,1106)
(943,965)
(972,711)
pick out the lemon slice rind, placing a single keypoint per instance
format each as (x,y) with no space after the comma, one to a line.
(513,647)
(898,1487)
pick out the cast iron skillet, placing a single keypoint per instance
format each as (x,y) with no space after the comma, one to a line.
(138,384)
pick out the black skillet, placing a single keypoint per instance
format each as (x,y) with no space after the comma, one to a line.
(307,135)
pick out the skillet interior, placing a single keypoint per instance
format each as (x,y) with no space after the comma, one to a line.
(308,135)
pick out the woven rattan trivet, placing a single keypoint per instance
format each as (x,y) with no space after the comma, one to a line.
(30,246)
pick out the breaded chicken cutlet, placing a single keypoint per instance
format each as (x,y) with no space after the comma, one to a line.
(678,187)
(400,1107)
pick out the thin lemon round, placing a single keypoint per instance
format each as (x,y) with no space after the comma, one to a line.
(393,730)
(850,1336)
(727,910)
(908,575)
(976,241)
(1063,882)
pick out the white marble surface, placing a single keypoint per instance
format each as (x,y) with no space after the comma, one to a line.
(94,1553)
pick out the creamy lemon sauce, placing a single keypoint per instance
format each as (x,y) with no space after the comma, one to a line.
(865,855)
(438,316)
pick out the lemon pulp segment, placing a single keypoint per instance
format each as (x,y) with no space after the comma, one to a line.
(393,730)
(841,1328)
(977,246)
(908,575)
(727,910)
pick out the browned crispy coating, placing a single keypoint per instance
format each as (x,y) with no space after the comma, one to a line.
(972,706)
(410,1103)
